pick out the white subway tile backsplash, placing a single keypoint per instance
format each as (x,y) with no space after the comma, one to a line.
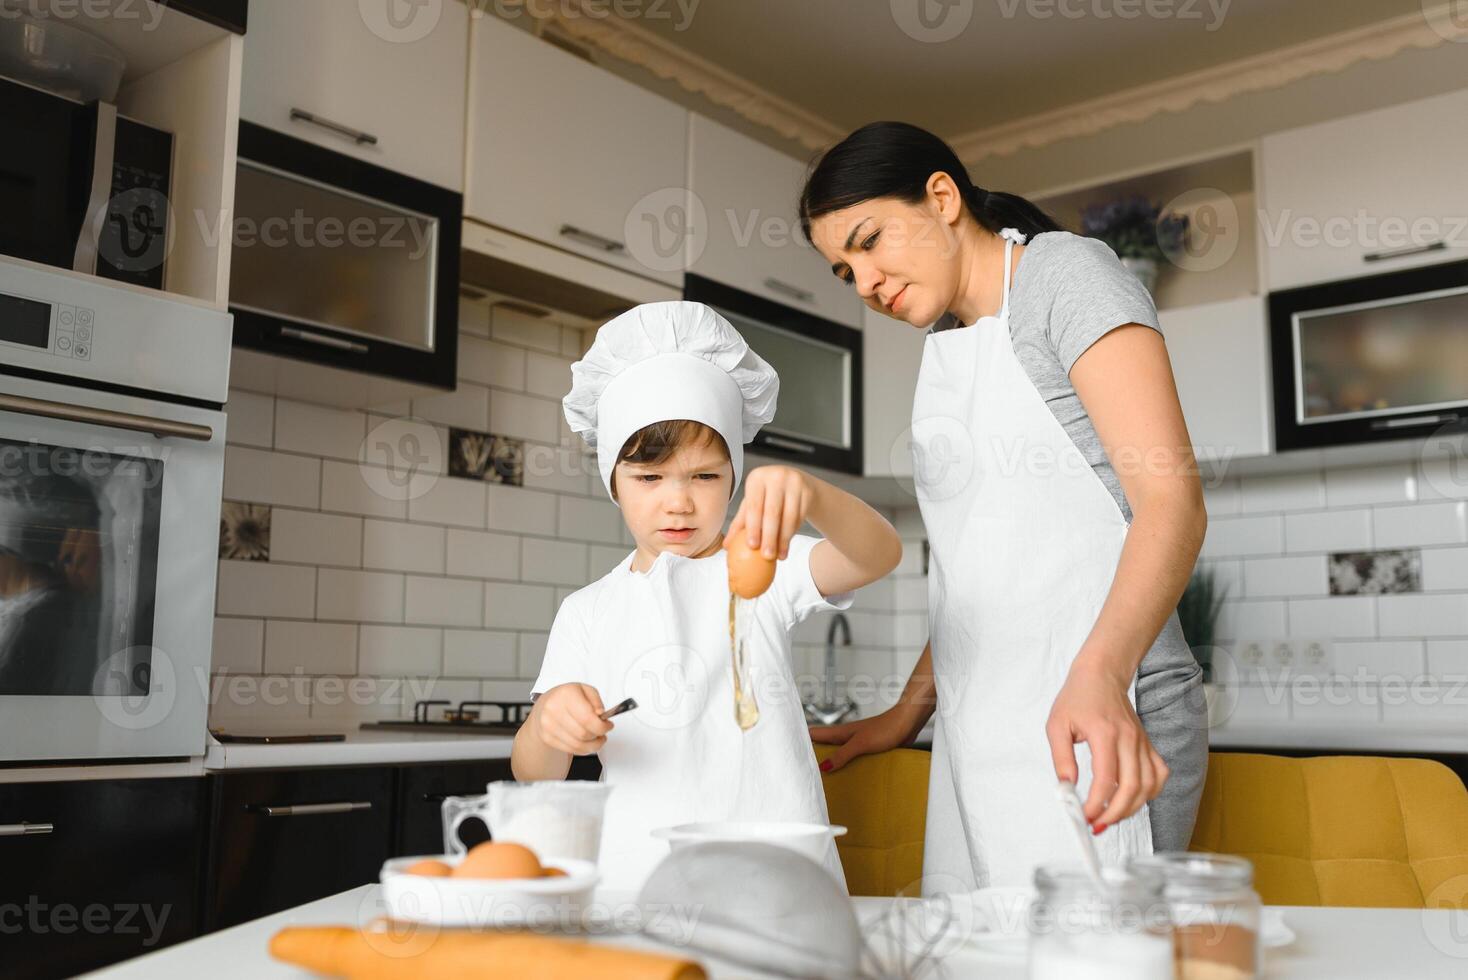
(1426,701)
(251,419)
(488,363)
(1244,706)
(1228,576)
(480,653)
(261,477)
(1439,479)
(1333,701)
(1249,619)
(1221,499)
(573,342)
(241,701)
(549,377)
(1394,483)
(1281,492)
(1370,661)
(345,487)
(1336,616)
(521,511)
(1444,569)
(310,648)
(1423,615)
(450,500)
(1266,577)
(444,601)
(403,547)
(532,654)
(361,597)
(310,538)
(257,588)
(1421,524)
(357,699)
(524,416)
(553,562)
(505,690)
(473,319)
(1235,536)
(1328,530)
(513,606)
(239,645)
(513,327)
(400,651)
(480,554)
(1448,659)
(316,430)
(557,468)
(603,558)
(466,407)
(581,519)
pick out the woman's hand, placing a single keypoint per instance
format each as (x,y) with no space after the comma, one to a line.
(889,730)
(776,499)
(1126,772)
(567,718)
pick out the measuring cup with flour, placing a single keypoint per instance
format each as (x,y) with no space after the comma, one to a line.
(553,818)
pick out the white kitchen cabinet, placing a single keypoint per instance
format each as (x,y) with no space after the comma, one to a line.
(892,352)
(1386,183)
(1220,359)
(322,73)
(748,193)
(566,153)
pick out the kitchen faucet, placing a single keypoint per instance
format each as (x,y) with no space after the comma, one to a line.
(829,711)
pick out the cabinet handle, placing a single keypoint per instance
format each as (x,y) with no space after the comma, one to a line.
(1397,253)
(1415,420)
(355,135)
(795,292)
(799,447)
(24,829)
(296,333)
(310,809)
(593,239)
(66,412)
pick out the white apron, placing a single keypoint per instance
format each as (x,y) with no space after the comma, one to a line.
(1024,542)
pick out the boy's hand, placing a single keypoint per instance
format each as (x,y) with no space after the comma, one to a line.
(566,719)
(776,499)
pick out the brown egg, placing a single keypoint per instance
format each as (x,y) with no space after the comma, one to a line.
(750,572)
(429,868)
(553,873)
(495,860)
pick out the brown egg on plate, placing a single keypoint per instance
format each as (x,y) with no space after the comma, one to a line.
(553,873)
(499,860)
(429,868)
(750,572)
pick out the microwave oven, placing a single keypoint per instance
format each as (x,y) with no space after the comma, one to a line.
(82,187)
(1371,358)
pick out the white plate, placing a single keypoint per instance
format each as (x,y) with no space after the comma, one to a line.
(487,903)
(1273,932)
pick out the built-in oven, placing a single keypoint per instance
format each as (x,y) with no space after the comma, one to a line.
(818,417)
(1372,358)
(111,472)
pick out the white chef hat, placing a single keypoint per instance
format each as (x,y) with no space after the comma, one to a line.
(663,361)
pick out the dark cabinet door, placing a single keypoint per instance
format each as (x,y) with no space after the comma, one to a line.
(284,837)
(116,874)
(421,791)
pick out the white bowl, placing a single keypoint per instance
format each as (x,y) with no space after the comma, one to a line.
(487,903)
(809,839)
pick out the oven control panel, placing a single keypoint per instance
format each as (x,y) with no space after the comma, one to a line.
(53,328)
(74,331)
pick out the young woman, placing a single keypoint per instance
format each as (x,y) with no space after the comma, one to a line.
(1063,512)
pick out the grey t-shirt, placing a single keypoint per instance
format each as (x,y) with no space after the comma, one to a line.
(1068,292)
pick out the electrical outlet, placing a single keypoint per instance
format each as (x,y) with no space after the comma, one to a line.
(1282,655)
(1252,655)
(1316,655)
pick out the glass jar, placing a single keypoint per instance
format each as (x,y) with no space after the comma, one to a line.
(1215,912)
(1082,930)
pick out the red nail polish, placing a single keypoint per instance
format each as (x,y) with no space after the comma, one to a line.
(1098,829)
(826,766)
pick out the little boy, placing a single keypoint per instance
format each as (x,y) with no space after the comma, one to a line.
(668,395)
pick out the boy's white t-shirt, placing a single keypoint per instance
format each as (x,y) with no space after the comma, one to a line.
(662,637)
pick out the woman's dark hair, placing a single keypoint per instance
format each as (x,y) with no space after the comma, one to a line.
(656,443)
(895,159)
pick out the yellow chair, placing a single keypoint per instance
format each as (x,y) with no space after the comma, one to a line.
(883,801)
(1340,830)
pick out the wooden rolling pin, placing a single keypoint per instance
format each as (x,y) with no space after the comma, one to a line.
(341,951)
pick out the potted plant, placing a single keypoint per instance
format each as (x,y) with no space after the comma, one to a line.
(1197,613)
(1138,232)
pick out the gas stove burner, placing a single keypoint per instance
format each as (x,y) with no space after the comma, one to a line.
(466,718)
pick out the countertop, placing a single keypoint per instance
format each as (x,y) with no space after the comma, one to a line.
(360,748)
(1333,943)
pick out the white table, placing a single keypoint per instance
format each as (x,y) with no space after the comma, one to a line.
(1330,944)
